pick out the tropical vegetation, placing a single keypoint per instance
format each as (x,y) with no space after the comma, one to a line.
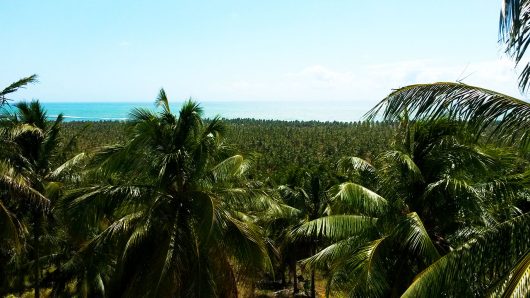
(431,200)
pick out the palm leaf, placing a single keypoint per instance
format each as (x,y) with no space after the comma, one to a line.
(335,255)
(335,227)
(402,160)
(162,101)
(478,264)
(15,86)
(413,236)
(365,265)
(350,196)
(517,283)
(482,108)
(9,229)
(234,166)
(352,163)
(513,28)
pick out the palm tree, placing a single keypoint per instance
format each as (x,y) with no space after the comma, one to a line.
(487,270)
(8,177)
(35,143)
(432,192)
(176,208)
(308,196)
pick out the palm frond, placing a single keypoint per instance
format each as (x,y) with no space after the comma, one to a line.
(517,282)
(403,161)
(9,231)
(366,271)
(352,163)
(414,237)
(480,107)
(162,101)
(513,28)
(490,255)
(15,86)
(335,255)
(335,227)
(234,166)
(355,197)
(68,165)
(17,185)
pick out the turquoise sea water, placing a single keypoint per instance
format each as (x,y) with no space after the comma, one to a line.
(319,111)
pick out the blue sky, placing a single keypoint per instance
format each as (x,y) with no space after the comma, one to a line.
(308,50)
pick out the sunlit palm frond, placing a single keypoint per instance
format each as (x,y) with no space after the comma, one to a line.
(25,128)
(161,100)
(357,198)
(335,227)
(68,165)
(19,187)
(482,108)
(352,163)
(15,86)
(234,166)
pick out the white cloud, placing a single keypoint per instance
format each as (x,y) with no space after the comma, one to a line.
(370,83)
(124,44)
(320,76)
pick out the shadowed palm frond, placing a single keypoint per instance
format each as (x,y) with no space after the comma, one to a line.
(10,230)
(490,255)
(396,158)
(414,237)
(367,278)
(335,255)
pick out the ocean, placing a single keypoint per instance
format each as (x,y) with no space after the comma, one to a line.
(288,111)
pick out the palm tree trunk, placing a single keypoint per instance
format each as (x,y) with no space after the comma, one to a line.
(36,234)
(295,278)
(313,292)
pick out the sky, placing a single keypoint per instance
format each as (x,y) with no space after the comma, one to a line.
(224,50)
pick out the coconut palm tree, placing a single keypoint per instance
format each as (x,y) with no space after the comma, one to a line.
(307,194)
(173,204)
(35,142)
(10,179)
(431,192)
(497,116)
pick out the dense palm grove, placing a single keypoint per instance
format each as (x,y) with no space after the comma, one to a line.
(195,207)
(433,201)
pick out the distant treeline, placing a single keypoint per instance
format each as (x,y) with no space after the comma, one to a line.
(280,149)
